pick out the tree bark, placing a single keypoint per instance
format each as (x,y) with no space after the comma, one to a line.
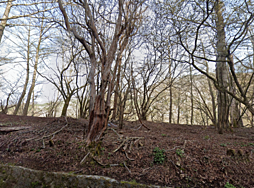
(65,106)
(221,69)
(5,18)
(117,88)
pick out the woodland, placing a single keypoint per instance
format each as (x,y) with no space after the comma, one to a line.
(154,91)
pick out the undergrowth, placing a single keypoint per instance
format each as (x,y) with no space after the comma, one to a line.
(159,155)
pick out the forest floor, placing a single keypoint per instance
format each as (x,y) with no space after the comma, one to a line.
(166,155)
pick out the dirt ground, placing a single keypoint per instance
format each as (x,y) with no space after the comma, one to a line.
(166,155)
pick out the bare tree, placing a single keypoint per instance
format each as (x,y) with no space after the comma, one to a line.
(206,20)
(43,30)
(128,13)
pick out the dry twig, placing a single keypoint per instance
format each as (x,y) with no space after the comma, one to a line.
(115,132)
(82,161)
(53,134)
(127,167)
(128,157)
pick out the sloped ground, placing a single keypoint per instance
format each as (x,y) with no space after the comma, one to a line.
(193,156)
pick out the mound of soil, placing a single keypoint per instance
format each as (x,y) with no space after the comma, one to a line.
(167,154)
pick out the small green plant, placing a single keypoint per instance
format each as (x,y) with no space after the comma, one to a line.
(159,156)
(38,150)
(163,135)
(228,185)
(243,144)
(207,137)
(179,152)
(34,184)
(109,155)
(223,145)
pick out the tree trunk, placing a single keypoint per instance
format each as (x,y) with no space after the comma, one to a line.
(170,104)
(117,88)
(29,95)
(33,98)
(5,18)
(121,113)
(170,91)
(214,120)
(191,97)
(65,107)
(143,115)
(178,108)
(235,114)
(221,70)
(252,100)
(98,120)
(27,76)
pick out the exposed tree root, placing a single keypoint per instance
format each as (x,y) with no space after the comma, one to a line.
(129,141)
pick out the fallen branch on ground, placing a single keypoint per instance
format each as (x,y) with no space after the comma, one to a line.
(128,157)
(127,167)
(97,160)
(46,136)
(125,142)
(115,132)
(82,161)
(12,129)
(52,134)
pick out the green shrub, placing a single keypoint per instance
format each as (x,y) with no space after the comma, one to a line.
(159,156)
(179,152)
(228,185)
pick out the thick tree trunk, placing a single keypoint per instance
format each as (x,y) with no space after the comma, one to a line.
(235,114)
(27,76)
(5,18)
(143,115)
(98,120)
(221,70)
(121,114)
(65,106)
